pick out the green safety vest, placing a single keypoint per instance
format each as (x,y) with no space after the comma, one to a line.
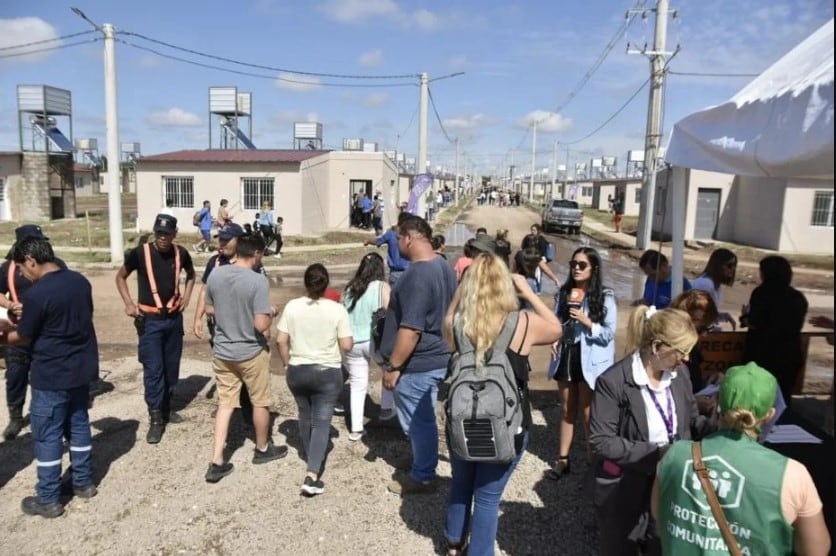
(747,478)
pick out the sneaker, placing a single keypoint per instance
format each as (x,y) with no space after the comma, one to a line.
(386,414)
(312,488)
(278,255)
(271,453)
(407,485)
(403,462)
(88,491)
(32,506)
(339,409)
(355,436)
(217,472)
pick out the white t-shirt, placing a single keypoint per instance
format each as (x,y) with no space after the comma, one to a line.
(315,327)
(657,431)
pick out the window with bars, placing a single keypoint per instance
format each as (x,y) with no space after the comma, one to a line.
(823,209)
(256,191)
(180,190)
(586,192)
(638,196)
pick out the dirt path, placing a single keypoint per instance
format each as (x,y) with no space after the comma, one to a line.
(153,499)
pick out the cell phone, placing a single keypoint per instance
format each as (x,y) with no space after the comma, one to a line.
(611,468)
(139,324)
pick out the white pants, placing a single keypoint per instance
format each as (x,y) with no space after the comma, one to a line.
(357,362)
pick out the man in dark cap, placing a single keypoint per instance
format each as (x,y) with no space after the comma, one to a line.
(58,327)
(158,316)
(12,286)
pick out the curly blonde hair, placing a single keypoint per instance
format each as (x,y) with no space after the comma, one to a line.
(488,295)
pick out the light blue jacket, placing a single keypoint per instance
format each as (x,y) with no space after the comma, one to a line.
(597,343)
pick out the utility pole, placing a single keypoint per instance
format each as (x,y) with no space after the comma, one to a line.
(456,185)
(654,123)
(533,161)
(114,169)
(422,125)
(554,168)
(513,185)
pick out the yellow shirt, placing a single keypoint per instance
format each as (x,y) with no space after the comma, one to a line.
(315,327)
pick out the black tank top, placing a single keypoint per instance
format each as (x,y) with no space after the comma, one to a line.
(522,369)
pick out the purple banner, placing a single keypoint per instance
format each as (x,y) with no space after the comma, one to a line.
(420,184)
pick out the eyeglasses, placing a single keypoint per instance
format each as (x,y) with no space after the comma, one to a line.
(580,265)
(731,264)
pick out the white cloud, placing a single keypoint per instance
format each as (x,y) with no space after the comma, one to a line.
(466,123)
(25,30)
(457,63)
(371,58)
(425,20)
(150,61)
(297,83)
(375,99)
(291,116)
(547,122)
(352,11)
(174,117)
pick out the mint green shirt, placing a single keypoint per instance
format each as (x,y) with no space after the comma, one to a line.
(361,316)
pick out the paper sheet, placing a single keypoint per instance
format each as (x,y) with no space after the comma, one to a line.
(709,390)
(791,434)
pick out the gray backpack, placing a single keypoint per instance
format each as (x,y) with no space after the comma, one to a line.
(484,405)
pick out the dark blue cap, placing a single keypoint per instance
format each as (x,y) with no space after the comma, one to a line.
(165,224)
(231,230)
(29,230)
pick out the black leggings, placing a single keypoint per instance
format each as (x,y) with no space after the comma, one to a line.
(316,389)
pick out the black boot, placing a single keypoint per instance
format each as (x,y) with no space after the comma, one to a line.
(156,427)
(16,422)
(168,415)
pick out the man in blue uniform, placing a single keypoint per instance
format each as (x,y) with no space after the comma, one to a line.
(57,325)
(158,315)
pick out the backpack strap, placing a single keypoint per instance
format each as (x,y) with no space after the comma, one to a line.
(507,333)
(11,281)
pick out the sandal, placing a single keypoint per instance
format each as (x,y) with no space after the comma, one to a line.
(560,468)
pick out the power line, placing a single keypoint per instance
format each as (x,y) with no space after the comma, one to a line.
(611,118)
(699,74)
(49,49)
(261,75)
(263,67)
(45,41)
(437,117)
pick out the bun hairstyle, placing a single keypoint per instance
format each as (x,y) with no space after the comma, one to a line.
(672,327)
(742,420)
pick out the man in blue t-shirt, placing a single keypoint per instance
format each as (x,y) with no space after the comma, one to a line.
(396,263)
(657,286)
(57,324)
(205,219)
(366,207)
(415,350)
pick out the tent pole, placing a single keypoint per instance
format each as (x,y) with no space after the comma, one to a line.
(678,185)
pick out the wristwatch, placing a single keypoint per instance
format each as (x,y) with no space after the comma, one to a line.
(392,368)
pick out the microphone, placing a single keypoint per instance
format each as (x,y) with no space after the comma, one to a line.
(575,298)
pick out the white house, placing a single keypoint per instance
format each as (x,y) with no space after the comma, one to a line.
(310,189)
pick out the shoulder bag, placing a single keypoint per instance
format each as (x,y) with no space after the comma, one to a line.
(711,496)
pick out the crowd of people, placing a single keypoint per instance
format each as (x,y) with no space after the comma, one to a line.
(639,409)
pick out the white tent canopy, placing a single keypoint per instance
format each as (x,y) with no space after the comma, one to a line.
(780,126)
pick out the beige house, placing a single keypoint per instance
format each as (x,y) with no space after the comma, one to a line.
(631,188)
(788,215)
(311,190)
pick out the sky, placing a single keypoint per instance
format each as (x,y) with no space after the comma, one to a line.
(521,61)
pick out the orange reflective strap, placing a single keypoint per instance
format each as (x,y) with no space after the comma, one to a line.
(175,300)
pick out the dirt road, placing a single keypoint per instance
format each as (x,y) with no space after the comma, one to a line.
(153,499)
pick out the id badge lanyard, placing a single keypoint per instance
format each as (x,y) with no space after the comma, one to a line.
(667,418)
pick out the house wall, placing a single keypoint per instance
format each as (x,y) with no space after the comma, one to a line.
(215,181)
(695,179)
(757,208)
(797,233)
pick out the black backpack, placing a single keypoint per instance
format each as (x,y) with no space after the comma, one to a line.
(484,406)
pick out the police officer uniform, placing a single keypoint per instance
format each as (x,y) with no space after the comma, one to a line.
(159,317)
(18,360)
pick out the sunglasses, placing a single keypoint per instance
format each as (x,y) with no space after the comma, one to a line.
(731,264)
(580,265)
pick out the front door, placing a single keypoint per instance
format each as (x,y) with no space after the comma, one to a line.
(708,213)
(357,189)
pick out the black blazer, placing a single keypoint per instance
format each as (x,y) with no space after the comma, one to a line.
(618,424)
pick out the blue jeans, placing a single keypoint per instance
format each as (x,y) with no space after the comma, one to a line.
(54,413)
(394,276)
(18,362)
(479,485)
(415,397)
(160,349)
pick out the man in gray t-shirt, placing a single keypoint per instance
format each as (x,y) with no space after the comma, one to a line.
(239,300)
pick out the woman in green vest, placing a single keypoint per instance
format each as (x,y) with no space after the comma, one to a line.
(769,500)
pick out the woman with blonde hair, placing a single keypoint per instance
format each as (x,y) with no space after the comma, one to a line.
(703,312)
(487,299)
(779,510)
(641,405)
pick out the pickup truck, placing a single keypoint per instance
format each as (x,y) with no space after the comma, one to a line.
(562,214)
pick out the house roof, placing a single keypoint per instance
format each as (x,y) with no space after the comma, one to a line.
(220,155)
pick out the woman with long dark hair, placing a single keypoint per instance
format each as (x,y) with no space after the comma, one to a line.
(313,334)
(719,271)
(775,316)
(365,293)
(587,310)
